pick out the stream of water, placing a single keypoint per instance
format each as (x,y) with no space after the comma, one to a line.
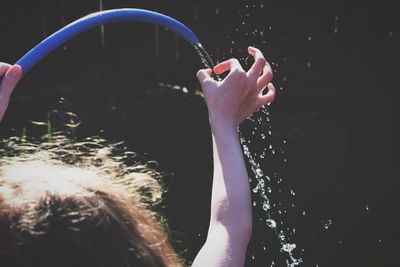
(206,59)
(259,178)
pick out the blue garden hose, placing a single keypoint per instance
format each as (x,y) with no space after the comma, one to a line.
(115,15)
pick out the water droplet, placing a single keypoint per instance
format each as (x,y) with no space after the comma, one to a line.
(259,172)
(271,223)
(335,31)
(292,192)
(281,236)
(288,247)
(327,223)
(263,136)
(266,205)
(366,207)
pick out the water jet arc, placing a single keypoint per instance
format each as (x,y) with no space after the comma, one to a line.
(99,18)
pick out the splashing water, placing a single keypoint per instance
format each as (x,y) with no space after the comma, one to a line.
(327,223)
(260,178)
(271,223)
(260,188)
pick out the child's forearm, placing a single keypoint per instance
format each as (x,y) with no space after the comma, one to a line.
(229,102)
(231,200)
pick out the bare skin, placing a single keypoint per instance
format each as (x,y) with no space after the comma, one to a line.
(229,103)
(9,77)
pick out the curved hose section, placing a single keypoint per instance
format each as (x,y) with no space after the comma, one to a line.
(103,17)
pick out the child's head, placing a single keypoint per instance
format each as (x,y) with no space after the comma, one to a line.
(65,204)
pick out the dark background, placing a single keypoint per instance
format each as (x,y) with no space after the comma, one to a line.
(336,69)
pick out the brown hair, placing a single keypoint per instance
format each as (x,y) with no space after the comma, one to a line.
(65,203)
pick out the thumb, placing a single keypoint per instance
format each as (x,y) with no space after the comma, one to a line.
(10,79)
(204,75)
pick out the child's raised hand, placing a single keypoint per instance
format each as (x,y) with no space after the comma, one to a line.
(9,77)
(240,93)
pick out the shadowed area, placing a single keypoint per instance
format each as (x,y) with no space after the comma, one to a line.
(335,62)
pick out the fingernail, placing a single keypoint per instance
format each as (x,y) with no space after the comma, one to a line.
(15,74)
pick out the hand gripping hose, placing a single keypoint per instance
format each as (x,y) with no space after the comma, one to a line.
(103,17)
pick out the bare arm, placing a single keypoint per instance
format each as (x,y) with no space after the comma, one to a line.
(229,102)
(9,77)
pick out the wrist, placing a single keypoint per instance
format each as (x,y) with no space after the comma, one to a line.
(222,124)
(223,127)
(222,121)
